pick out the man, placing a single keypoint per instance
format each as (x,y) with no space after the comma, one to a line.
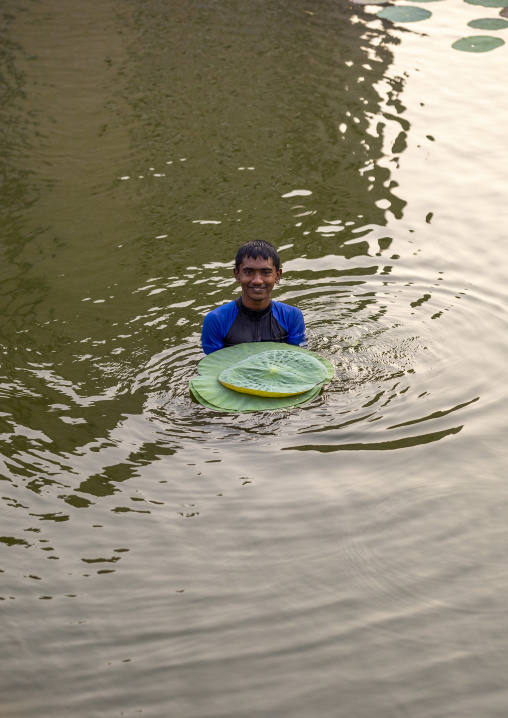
(254,317)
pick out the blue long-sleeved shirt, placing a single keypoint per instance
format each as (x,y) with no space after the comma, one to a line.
(233,323)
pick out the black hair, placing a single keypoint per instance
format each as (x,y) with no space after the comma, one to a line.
(258,248)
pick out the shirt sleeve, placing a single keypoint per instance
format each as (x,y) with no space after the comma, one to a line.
(211,334)
(291,318)
(216,325)
(296,329)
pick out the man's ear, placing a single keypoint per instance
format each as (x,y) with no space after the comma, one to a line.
(279,275)
(237,274)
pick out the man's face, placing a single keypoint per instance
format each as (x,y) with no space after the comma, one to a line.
(257,278)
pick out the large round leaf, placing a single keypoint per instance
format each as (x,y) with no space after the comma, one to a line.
(279,372)
(404,13)
(217,361)
(208,390)
(489,23)
(212,394)
(489,3)
(478,43)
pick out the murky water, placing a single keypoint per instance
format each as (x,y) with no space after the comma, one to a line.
(342,559)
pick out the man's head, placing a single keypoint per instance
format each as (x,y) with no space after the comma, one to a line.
(257,270)
(258,248)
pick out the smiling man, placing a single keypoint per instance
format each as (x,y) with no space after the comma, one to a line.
(254,317)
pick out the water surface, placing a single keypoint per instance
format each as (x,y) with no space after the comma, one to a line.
(344,558)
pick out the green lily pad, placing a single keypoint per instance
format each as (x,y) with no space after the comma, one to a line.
(488,3)
(217,361)
(404,13)
(208,390)
(275,373)
(489,23)
(478,43)
(217,397)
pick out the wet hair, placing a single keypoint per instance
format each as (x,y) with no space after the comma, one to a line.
(258,248)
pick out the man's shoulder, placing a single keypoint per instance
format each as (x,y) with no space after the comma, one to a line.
(291,318)
(286,309)
(215,326)
(220,318)
(223,309)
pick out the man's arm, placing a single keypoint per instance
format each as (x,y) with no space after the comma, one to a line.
(211,339)
(291,318)
(216,325)
(297,333)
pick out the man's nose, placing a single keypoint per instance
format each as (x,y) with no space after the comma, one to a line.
(257,278)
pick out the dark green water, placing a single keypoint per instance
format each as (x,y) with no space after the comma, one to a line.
(341,559)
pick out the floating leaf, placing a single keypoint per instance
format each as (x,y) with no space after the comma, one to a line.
(217,361)
(275,373)
(488,3)
(478,43)
(212,394)
(489,23)
(208,390)
(404,13)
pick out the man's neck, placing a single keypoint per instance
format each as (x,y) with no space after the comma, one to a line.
(255,306)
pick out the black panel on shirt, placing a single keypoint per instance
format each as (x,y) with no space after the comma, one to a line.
(252,326)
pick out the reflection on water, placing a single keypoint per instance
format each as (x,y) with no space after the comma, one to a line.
(157,557)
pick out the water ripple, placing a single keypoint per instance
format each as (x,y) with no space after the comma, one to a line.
(428,545)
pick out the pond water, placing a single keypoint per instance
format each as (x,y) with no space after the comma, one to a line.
(346,558)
